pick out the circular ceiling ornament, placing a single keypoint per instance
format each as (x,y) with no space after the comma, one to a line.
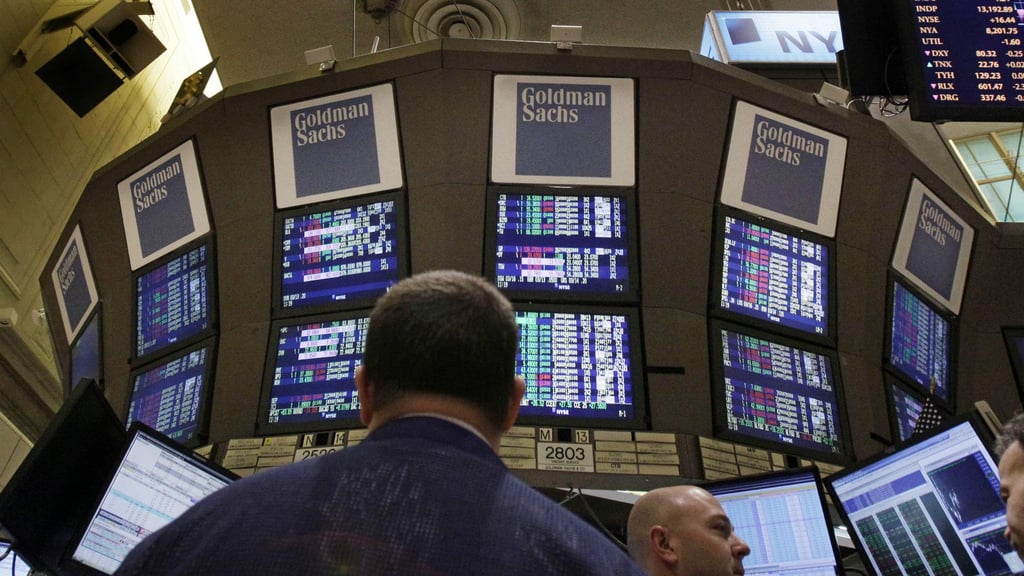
(482,19)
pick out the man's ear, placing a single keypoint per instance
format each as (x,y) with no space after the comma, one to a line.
(364,387)
(661,545)
(512,410)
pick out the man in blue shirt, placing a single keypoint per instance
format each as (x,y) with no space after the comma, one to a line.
(426,492)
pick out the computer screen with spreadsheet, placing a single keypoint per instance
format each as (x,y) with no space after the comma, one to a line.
(582,366)
(774,276)
(175,301)
(920,343)
(155,481)
(172,394)
(309,376)
(562,244)
(338,256)
(782,516)
(930,507)
(777,393)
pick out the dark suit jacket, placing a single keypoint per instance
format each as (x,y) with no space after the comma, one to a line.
(419,496)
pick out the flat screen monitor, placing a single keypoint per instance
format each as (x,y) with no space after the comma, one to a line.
(1013,336)
(87,352)
(338,256)
(870,62)
(904,407)
(920,343)
(50,495)
(777,393)
(12,563)
(309,376)
(963,59)
(774,276)
(172,394)
(154,482)
(932,506)
(562,244)
(582,366)
(783,517)
(174,301)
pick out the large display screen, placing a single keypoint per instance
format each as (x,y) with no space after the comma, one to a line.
(931,507)
(155,482)
(309,377)
(174,301)
(338,256)
(773,275)
(777,393)
(964,59)
(173,394)
(562,244)
(920,343)
(760,505)
(582,366)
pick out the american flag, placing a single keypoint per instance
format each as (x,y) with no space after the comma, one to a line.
(930,416)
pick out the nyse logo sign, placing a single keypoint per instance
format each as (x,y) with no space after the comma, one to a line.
(773,37)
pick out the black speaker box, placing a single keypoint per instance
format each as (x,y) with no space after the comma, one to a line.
(80,77)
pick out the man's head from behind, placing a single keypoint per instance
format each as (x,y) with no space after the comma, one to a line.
(683,530)
(1010,448)
(443,334)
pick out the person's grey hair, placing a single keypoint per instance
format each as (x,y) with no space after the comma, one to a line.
(1013,431)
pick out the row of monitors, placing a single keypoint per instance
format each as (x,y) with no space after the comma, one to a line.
(569,244)
(933,502)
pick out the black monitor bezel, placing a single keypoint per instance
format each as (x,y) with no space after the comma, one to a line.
(86,434)
(715,307)
(975,420)
(1011,333)
(640,419)
(631,296)
(922,106)
(719,417)
(954,335)
(265,428)
(211,298)
(202,433)
(97,317)
(69,563)
(711,485)
(401,251)
(873,61)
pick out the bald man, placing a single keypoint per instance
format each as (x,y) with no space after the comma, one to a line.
(683,530)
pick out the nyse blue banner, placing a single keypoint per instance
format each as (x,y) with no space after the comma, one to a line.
(564,130)
(335,146)
(780,153)
(784,169)
(74,285)
(161,203)
(934,247)
(772,37)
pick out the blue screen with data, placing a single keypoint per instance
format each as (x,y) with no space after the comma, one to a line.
(173,301)
(578,365)
(311,372)
(774,277)
(921,342)
(563,244)
(169,396)
(339,257)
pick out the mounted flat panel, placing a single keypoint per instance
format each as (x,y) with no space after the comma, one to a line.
(783,169)
(567,130)
(933,247)
(80,77)
(336,146)
(74,285)
(163,205)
